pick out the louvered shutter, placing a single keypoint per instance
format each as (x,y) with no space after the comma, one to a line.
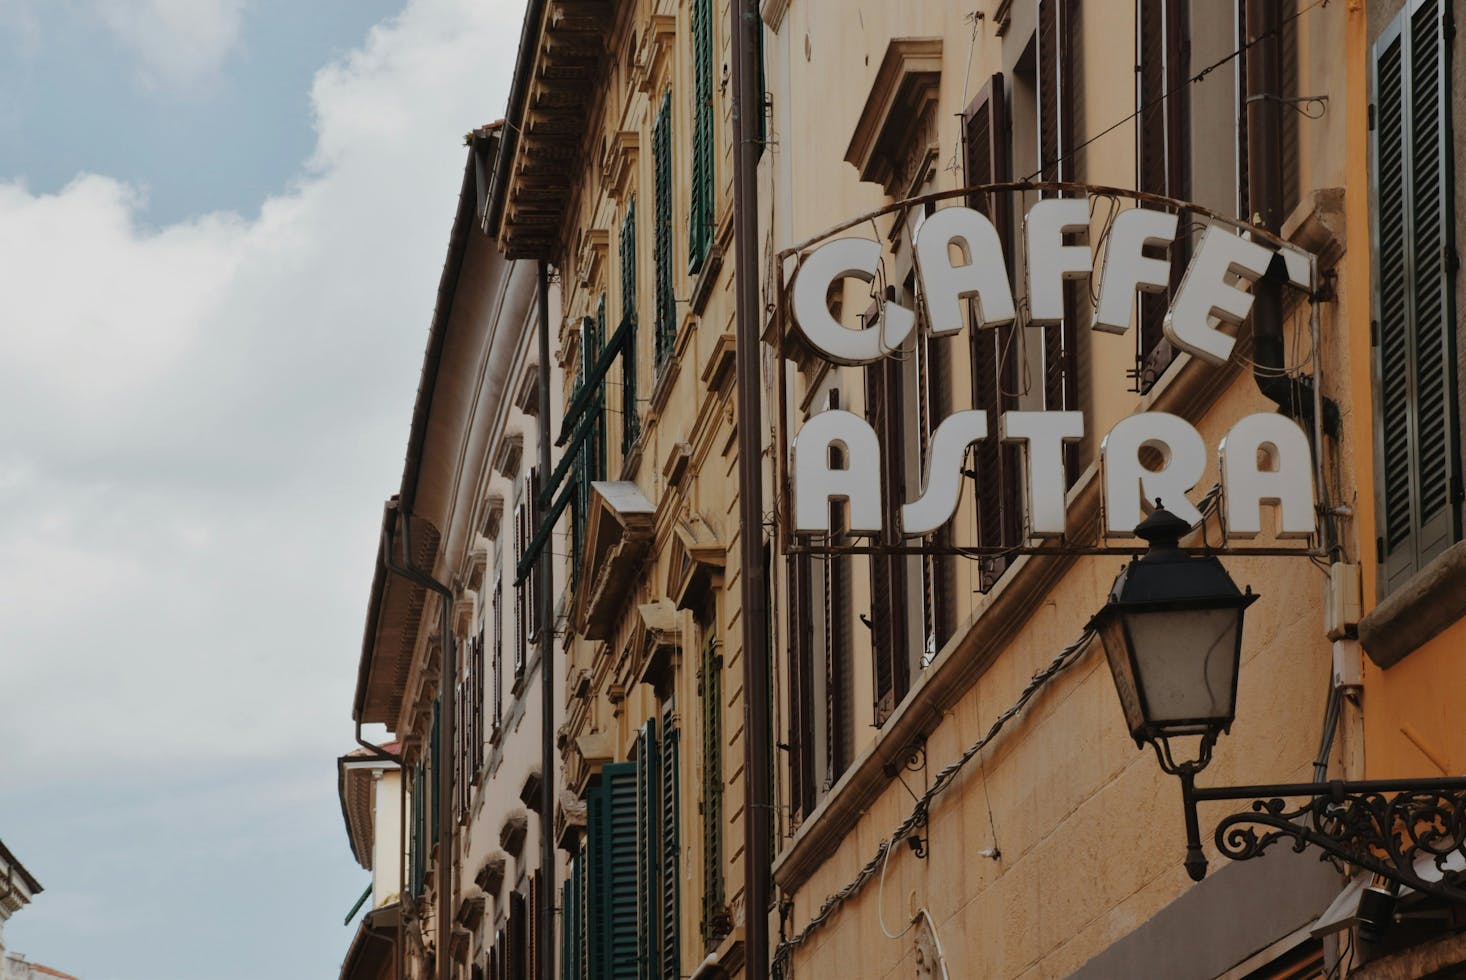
(838,653)
(700,231)
(621,866)
(1162,138)
(498,651)
(532,927)
(1059,95)
(801,687)
(1416,421)
(648,853)
(670,845)
(630,419)
(711,697)
(521,590)
(666,300)
(994,363)
(435,772)
(598,880)
(480,681)
(887,585)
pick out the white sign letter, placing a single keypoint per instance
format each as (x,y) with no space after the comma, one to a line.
(1127,268)
(944,477)
(1289,483)
(983,275)
(826,265)
(1045,434)
(1050,261)
(1205,292)
(1129,485)
(816,482)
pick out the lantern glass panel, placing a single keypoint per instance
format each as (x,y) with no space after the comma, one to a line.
(1117,652)
(1187,662)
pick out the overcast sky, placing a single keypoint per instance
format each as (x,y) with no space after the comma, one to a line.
(221,227)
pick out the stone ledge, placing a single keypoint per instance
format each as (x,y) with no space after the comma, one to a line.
(1420,610)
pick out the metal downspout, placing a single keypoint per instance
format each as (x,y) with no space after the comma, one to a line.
(546,572)
(446,720)
(759,812)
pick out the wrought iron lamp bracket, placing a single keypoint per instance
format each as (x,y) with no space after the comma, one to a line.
(1384,826)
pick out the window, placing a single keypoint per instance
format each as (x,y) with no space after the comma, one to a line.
(800,736)
(1417,451)
(885,410)
(525,608)
(630,420)
(590,462)
(838,646)
(715,923)
(666,313)
(701,223)
(621,904)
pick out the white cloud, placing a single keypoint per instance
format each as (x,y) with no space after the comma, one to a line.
(202,420)
(178,43)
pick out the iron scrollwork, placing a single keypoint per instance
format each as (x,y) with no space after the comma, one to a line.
(1356,824)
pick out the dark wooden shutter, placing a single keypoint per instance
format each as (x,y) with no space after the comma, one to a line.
(837,613)
(630,419)
(666,313)
(523,591)
(532,927)
(1059,95)
(988,139)
(1416,421)
(1162,145)
(710,679)
(670,846)
(648,853)
(801,688)
(498,650)
(620,871)
(517,961)
(884,398)
(700,231)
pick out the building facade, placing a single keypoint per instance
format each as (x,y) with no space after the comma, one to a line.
(955,792)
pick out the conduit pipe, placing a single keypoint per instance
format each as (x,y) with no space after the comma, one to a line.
(545,594)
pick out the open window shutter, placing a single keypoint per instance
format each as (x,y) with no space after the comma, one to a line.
(701,224)
(620,866)
(630,420)
(1162,168)
(1416,415)
(435,764)
(532,927)
(498,651)
(801,687)
(666,301)
(994,364)
(521,591)
(1058,97)
(837,613)
(648,853)
(670,846)
(597,880)
(712,785)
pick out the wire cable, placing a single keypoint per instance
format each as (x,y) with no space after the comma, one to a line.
(1065,659)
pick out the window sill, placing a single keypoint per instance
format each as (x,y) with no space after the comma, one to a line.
(1417,611)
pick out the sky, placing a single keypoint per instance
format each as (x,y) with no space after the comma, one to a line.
(221,228)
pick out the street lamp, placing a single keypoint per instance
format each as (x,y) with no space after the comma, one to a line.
(1172,633)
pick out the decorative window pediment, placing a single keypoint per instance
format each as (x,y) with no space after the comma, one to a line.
(655,640)
(620,162)
(619,529)
(510,452)
(697,561)
(896,133)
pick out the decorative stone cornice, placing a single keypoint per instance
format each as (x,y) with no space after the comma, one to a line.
(901,103)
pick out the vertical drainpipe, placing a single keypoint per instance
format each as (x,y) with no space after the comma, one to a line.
(545,594)
(449,665)
(758,813)
(1265,195)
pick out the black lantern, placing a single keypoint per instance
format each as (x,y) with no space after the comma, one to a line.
(1172,632)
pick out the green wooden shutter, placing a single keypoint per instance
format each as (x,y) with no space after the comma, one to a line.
(671,934)
(648,852)
(611,814)
(597,886)
(434,775)
(630,420)
(1418,465)
(701,224)
(666,334)
(713,899)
